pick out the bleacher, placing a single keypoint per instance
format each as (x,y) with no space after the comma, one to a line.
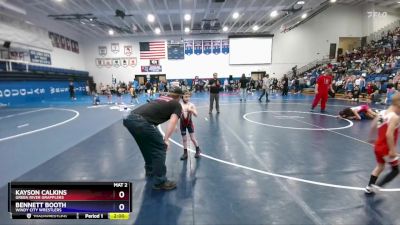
(14,66)
(47,83)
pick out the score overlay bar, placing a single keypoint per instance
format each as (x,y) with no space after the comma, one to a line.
(69,199)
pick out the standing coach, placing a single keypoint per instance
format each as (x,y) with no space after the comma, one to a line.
(214,92)
(142,124)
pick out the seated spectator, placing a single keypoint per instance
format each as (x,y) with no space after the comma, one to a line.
(390,91)
(356,93)
(301,83)
(349,87)
(376,95)
(226,84)
(398,86)
(96,99)
(362,83)
(370,89)
(102,88)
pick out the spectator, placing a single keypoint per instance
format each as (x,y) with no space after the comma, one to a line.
(349,87)
(285,85)
(296,85)
(356,93)
(243,87)
(226,84)
(376,96)
(301,83)
(370,89)
(72,90)
(214,86)
(265,88)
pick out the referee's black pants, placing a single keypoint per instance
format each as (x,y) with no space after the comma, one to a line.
(151,144)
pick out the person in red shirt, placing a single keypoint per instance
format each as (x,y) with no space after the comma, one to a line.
(387,126)
(324,83)
(370,88)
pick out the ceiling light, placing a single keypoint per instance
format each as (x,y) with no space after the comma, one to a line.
(225,29)
(304,16)
(235,15)
(187,17)
(157,30)
(150,18)
(59,0)
(274,13)
(91,19)
(255,27)
(332,1)
(111,32)
(300,2)
(187,30)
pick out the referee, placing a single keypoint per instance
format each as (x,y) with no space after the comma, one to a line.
(214,92)
(142,124)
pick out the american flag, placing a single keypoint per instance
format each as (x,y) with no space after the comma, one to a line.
(152,50)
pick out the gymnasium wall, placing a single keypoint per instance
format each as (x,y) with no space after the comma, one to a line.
(300,46)
(311,40)
(67,59)
(14,93)
(373,22)
(30,32)
(194,65)
(306,43)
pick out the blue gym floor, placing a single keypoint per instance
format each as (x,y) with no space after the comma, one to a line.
(273,163)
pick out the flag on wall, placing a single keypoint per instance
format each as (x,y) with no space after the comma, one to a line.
(189,47)
(99,62)
(76,44)
(198,47)
(132,62)
(152,50)
(207,47)
(124,62)
(154,62)
(176,50)
(65,43)
(115,47)
(108,62)
(216,46)
(116,62)
(102,50)
(68,44)
(128,50)
(147,69)
(225,46)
